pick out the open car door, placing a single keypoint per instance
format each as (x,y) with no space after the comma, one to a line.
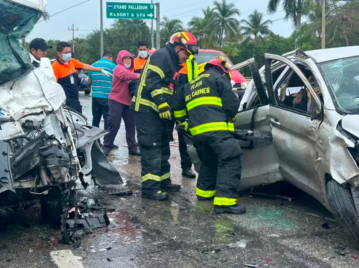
(294,126)
(259,161)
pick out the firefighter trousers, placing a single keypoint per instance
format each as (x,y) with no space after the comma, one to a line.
(154,141)
(220,171)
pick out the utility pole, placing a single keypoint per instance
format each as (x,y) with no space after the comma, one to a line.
(152,33)
(158,22)
(323,24)
(101,28)
(73,37)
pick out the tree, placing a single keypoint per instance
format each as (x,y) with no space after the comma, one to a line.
(222,22)
(168,28)
(294,10)
(255,28)
(201,28)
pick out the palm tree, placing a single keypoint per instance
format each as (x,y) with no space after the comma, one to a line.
(255,28)
(197,26)
(222,21)
(294,10)
(169,27)
(201,28)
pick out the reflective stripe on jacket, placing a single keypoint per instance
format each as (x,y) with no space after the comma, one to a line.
(156,76)
(208,102)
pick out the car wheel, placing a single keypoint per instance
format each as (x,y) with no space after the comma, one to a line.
(341,202)
(87,92)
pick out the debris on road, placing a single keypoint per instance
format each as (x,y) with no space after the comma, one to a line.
(119,190)
(240,244)
(251,265)
(340,250)
(317,216)
(326,226)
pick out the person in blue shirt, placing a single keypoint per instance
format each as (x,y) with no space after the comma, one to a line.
(101,89)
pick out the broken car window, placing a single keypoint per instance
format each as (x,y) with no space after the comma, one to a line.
(341,77)
(16,22)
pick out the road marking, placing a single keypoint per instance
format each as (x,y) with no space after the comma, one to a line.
(65,259)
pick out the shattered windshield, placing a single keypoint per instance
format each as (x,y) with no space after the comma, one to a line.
(342,79)
(16,22)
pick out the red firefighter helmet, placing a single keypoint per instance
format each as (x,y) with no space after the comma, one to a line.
(220,62)
(186,41)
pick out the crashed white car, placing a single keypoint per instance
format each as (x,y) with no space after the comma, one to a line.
(44,146)
(303,108)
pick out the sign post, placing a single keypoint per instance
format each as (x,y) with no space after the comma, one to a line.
(133,11)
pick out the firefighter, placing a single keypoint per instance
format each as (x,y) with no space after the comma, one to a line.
(207,108)
(153,113)
(188,72)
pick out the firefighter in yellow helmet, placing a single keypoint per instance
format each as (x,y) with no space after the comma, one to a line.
(207,108)
(151,103)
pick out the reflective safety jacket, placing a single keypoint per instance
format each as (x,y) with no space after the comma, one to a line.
(189,71)
(156,76)
(208,102)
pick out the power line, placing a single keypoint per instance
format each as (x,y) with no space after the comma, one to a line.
(65,10)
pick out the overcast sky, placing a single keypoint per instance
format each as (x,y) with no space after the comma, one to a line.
(86,17)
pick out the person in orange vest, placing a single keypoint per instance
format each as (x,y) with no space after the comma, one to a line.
(140,61)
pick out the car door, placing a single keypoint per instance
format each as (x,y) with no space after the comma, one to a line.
(293,130)
(259,161)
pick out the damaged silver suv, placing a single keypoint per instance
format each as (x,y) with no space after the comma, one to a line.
(307,105)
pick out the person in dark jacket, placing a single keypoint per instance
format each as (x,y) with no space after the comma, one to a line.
(210,106)
(153,113)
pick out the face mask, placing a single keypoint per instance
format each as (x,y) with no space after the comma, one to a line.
(66,57)
(127,65)
(143,54)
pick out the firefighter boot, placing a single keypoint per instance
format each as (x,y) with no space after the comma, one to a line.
(159,196)
(236,209)
(167,186)
(200,198)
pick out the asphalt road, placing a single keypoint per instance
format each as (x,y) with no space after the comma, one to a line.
(182,232)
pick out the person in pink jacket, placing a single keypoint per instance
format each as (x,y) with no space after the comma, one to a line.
(119,104)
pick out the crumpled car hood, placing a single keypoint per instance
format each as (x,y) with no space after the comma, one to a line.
(350,123)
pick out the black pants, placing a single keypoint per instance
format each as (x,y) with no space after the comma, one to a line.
(186,162)
(117,112)
(154,141)
(220,169)
(74,104)
(99,109)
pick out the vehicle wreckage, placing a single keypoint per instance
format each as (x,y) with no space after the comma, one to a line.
(312,143)
(45,148)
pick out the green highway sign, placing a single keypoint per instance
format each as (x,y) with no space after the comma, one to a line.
(134,11)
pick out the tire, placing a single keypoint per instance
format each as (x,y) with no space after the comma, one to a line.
(87,91)
(341,202)
(52,206)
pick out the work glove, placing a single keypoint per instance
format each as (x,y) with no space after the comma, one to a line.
(106,73)
(182,126)
(164,111)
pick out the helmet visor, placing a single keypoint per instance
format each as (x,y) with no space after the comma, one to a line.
(194,49)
